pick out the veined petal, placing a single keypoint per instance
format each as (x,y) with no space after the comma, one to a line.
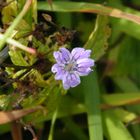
(75,80)
(85,62)
(76,52)
(71,80)
(59,58)
(86,54)
(82,71)
(65,54)
(55,68)
(60,74)
(66,83)
(80,53)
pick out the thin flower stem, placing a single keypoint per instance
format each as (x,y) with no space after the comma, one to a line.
(18,45)
(30,129)
(9,31)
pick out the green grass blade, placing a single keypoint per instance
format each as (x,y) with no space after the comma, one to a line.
(114,128)
(54,117)
(119,99)
(92,100)
(61,6)
(136,131)
(126,84)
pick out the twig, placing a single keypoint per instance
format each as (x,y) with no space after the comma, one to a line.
(18,45)
(15,23)
(30,129)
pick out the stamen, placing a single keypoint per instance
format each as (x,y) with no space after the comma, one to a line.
(69,67)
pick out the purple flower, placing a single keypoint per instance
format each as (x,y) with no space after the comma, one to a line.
(70,66)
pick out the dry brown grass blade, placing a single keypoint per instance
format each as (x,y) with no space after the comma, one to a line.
(85,7)
(50,3)
(116,13)
(119,14)
(10,116)
(109,106)
(16,131)
(109,11)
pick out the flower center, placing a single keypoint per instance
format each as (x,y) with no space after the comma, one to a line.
(70,66)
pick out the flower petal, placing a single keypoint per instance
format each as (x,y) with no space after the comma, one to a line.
(60,74)
(66,85)
(82,71)
(75,80)
(76,52)
(55,68)
(80,53)
(71,80)
(85,62)
(65,54)
(59,58)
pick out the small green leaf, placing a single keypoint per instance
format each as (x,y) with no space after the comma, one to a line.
(23,29)
(4,101)
(114,128)
(124,115)
(17,57)
(98,39)
(9,12)
(121,99)
(92,101)
(85,7)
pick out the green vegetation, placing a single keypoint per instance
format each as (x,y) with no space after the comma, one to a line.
(106,104)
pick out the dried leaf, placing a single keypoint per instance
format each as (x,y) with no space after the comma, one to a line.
(9,116)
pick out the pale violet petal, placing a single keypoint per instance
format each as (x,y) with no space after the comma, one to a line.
(85,62)
(66,83)
(55,68)
(75,80)
(72,79)
(82,71)
(65,54)
(86,54)
(59,58)
(78,53)
(60,74)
